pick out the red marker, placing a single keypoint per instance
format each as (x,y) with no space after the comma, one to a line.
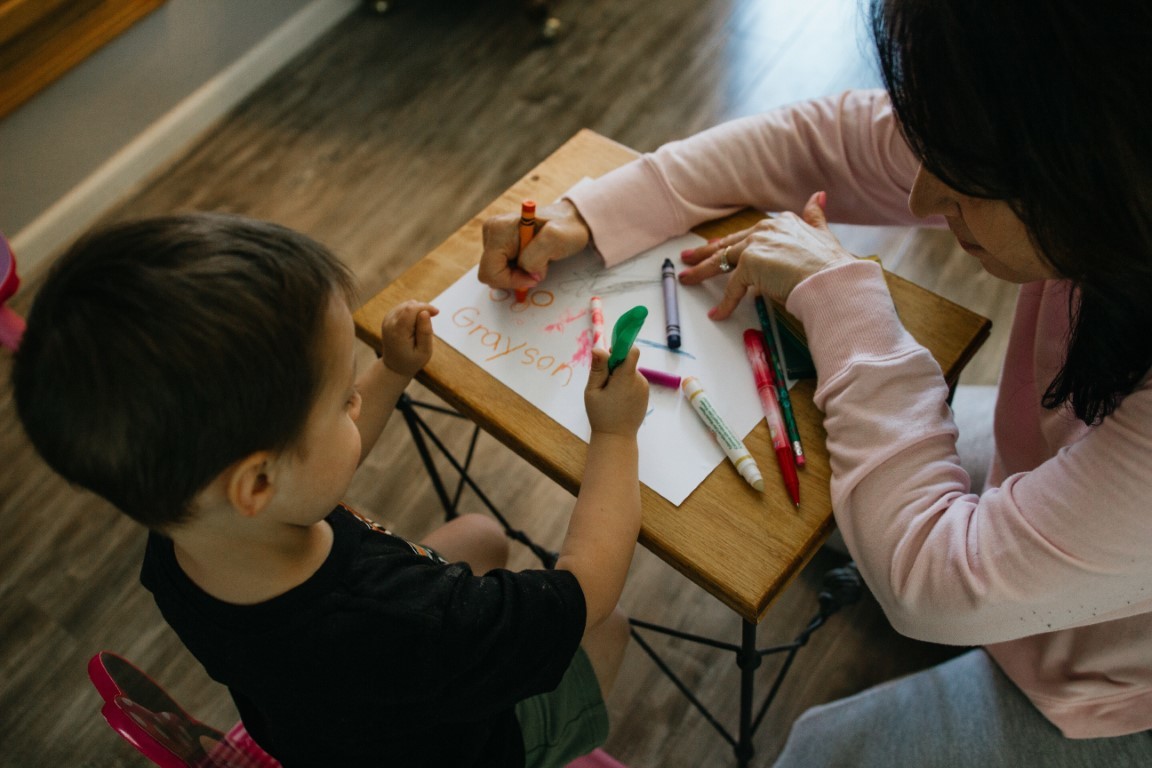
(527,232)
(766,385)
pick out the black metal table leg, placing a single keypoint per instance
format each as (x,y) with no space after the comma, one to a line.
(414,422)
(748,659)
(841,586)
(420,430)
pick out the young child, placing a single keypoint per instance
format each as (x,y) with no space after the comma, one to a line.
(199,372)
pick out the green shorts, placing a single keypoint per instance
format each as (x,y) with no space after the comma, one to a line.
(564,724)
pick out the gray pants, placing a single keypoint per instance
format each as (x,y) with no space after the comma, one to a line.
(962,713)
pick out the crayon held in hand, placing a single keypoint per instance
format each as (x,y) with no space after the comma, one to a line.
(527,232)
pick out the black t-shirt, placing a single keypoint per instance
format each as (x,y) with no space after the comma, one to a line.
(386,656)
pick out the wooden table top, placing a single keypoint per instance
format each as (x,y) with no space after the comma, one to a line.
(741,546)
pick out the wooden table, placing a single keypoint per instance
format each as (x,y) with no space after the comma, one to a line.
(741,546)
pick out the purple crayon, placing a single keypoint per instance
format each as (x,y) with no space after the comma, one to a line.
(671,309)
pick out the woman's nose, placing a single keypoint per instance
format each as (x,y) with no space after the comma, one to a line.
(931,196)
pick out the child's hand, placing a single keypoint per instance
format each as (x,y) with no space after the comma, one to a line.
(616,404)
(406,337)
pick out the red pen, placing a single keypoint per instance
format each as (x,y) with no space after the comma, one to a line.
(766,385)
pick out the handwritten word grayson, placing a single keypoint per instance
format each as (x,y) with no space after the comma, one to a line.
(502,345)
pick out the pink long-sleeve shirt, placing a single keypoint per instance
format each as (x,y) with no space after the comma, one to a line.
(1049,567)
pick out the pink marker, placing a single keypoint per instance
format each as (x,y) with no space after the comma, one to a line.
(11,324)
(597,312)
(661,378)
(766,386)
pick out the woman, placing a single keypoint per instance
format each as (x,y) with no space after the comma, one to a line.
(1021,126)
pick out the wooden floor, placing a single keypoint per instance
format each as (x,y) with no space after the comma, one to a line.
(380,141)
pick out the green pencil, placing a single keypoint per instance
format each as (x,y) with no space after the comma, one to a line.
(781,382)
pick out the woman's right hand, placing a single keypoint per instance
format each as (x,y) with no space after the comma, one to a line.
(560,232)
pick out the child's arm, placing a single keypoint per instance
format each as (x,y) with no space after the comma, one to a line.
(606,520)
(406,346)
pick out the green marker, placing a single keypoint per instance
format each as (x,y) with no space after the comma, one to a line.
(624,334)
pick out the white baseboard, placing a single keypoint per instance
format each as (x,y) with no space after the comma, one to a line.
(52,231)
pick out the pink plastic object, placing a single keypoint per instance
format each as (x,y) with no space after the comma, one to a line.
(11,324)
(597,758)
(149,719)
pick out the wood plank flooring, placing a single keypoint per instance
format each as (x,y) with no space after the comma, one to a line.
(380,141)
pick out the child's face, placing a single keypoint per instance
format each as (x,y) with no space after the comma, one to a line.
(322,464)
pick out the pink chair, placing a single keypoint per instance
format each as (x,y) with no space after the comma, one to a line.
(149,719)
(597,758)
(11,324)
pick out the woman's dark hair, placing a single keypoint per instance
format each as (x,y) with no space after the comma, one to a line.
(159,352)
(1044,105)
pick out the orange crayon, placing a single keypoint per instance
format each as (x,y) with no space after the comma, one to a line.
(527,232)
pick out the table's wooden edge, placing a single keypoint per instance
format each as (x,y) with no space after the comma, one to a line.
(753,611)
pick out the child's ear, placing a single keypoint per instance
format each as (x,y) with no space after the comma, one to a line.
(249,485)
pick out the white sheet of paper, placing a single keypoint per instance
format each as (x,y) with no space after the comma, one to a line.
(541,349)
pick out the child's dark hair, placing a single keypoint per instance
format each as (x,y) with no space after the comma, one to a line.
(159,352)
(1038,104)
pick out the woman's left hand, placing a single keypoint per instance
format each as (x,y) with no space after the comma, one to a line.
(771,258)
